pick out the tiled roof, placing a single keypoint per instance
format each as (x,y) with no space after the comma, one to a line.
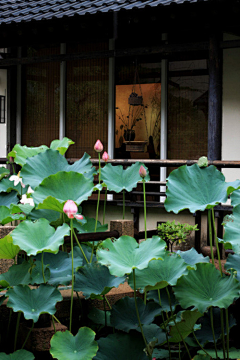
(16,11)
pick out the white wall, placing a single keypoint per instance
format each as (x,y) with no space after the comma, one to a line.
(3,127)
(231,108)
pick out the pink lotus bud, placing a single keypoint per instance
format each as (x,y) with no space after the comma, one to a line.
(70,209)
(11,160)
(78,217)
(142,172)
(105,156)
(98,147)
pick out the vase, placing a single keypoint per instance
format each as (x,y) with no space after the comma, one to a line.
(129,135)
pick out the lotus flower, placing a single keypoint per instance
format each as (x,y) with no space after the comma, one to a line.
(17,179)
(105,156)
(142,172)
(98,147)
(70,209)
(25,200)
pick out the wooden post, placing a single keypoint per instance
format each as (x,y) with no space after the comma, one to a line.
(214,100)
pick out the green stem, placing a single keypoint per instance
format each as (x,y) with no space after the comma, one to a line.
(159,297)
(139,321)
(16,332)
(216,242)
(200,344)
(80,247)
(13,169)
(54,324)
(98,200)
(9,322)
(71,306)
(108,303)
(105,312)
(79,300)
(43,270)
(28,335)
(227,330)
(210,234)
(223,335)
(54,317)
(145,210)
(145,297)
(212,326)
(165,328)
(123,204)
(170,304)
(104,206)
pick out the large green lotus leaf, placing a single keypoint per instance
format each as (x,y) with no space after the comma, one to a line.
(6,216)
(56,189)
(164,354)
(33,302)
(233,263)
(6,199)
(118,179)
(153,334)
(65,346)
(18,355)
(24,208)
(192,257)
(21,153)
(232,230)
(77,253)
(121,347)
(159,273)
(3,172)
(49,163)
(36,273)
(203,356)
(154,295)
(125,254)
(205,287)
(185,326)
(50,215)
(16,275)
(98,316)
(7,185)
(89,226)
(95,279)
(194,188)
(60,266)
(233,353)
(39,236)
(235,198)
(7,249)
(204,335)
(61,145)
(124,316)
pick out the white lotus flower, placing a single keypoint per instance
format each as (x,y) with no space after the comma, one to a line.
(25,200)
(17,179)
(30,190)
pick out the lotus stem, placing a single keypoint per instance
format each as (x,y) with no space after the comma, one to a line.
(216,241)
(80,247)
(200,344)
(54,325)
(170,304)
(108,303)
(159,297)
(227,329)
(105,312)
(43,270)
(104,206)
(28,335)
(145,210)
(139,321)
(71,306)
(165,328)
(210,234)
(98,200)
(16,332)
(54,317)
(145,297)
(223,335)
(123,204)
(9,321)
(214,339)
(13,169)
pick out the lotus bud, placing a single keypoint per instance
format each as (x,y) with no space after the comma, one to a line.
(78,217)
(98,147)
(70,209)
(105,156)
(11,160)
(142,172)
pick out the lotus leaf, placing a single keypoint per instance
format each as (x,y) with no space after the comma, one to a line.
(164,354)
(160,273)
(118,179)
(125,254)
(94,280)
(235,198)
(87,251)
(233,353)
(6,186)
(16,275)
(65,346)
(50,215)
(192,257)
(205,287)
(50,162)
(185,327)
(98,316)
(233,263)
(61,145)
(56,189)
(154,295)
(33,302)
(18,355)
(153,334)
(6,216)
(195,188)
(24,208)
(39,236)
(3,172)
(124,315)
(232,229)
(21,153)
(89,226)
(6,199)
(7,249)
(125,346)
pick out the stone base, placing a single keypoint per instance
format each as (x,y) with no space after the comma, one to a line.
(124,227)
(39,339)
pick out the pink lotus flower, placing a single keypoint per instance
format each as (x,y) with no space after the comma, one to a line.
(105,156)
(98,147)
(142,172)
(70,209)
